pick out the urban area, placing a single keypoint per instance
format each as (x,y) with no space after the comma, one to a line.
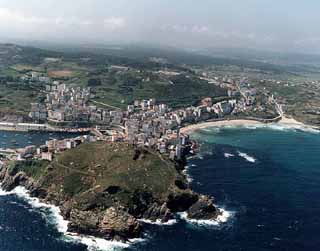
(145,123)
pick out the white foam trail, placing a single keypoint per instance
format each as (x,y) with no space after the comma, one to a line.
(4,193)
(228,155)
(93,243)
(186,173)
(159,222)
(206,130)
(247,157)
(21,192)
(99,244)
(283,127)
(222,218)
(273,126)
(278,127)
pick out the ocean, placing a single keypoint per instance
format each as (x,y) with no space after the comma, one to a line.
(266,179)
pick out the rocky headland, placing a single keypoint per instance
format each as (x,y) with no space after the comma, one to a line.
(104,189)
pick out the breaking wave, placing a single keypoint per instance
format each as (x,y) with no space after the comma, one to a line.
(159,222)
(222,218)
(228,155)
(54,216)
(247,157)
(186,173)
(274,126)
(277,126)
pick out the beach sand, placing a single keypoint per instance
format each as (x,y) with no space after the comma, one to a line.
(290,121)
(236,122)
(286,121)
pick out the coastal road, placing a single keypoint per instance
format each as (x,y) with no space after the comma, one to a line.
(100,103)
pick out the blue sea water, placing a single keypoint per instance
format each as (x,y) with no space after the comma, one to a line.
(22,139)
(268,179)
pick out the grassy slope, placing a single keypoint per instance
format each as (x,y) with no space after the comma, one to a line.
(34,168)
(97,166)
(178,91)
(16,98)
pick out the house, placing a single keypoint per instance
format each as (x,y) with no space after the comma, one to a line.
(47,156)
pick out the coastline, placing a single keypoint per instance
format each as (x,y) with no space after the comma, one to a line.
(92,242)
(234,122)
(284,121)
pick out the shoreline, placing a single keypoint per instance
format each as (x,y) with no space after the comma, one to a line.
(284,121)
(92,242)
(25,127)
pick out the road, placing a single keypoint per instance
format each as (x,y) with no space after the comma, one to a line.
(100,103)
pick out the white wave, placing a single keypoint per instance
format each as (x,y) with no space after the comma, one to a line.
(21,192)
(159,222)
(288,127)
(186,173)
(247,157)
(206,129)
(285,127)
(96,244)
(4,193)
(251,127)
(273,126)
(93,243)
(228,155)
(222,218)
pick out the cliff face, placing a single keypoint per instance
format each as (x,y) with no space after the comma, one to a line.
(103,189)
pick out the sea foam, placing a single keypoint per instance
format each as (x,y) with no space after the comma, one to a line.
(247,157)
(222,218)
(186,173)
(228,155)
(159,222)
(281,127)
(54,216)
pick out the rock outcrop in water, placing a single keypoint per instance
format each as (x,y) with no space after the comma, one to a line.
(103,189)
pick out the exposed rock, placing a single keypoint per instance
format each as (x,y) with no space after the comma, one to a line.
(11,182)
(66,208)
(110,209)
(181,201)
(117,223)
(181,184)
(140,203)
(156,212)
(84,222)
(203,209)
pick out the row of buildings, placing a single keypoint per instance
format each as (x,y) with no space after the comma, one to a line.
(47,151)
(157,126)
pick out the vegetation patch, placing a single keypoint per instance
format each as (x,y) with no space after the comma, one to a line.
(33,168)
(61,74)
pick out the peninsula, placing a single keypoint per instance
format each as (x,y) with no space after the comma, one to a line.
(104,189)
(134,117)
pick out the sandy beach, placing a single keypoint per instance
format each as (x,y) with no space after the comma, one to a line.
(286,121)
(236,122)
(290,121)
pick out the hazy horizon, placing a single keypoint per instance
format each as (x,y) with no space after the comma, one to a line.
(286,26)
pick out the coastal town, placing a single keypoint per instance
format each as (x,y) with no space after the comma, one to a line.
(145,123)
(156,125)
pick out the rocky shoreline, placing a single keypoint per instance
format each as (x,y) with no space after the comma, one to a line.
(101,214)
